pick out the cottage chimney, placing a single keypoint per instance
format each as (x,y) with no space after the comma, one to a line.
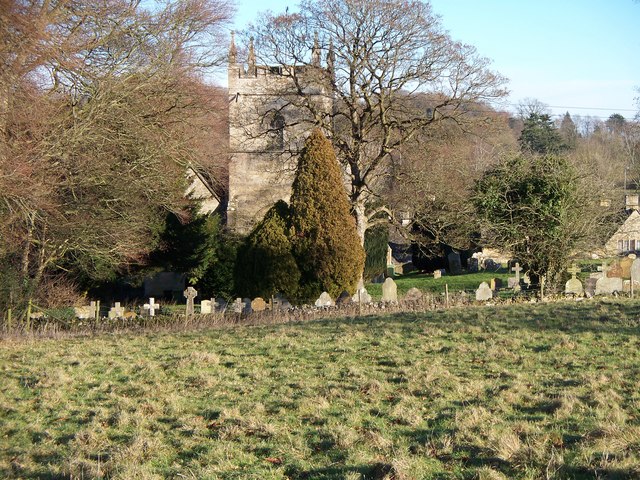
(632,202)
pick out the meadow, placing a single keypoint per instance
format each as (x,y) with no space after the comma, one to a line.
(517,392)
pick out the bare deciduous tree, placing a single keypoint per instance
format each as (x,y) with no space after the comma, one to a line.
(379,55)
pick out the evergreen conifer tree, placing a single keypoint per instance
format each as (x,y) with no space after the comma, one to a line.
(325,241)
(265,263)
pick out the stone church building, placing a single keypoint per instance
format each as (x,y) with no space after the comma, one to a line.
(271,113)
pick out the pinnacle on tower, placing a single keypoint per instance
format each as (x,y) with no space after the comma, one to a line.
(233,52)
(315,51)
(331,59)
(251,60)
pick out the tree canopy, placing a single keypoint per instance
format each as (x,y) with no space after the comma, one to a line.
(380,56)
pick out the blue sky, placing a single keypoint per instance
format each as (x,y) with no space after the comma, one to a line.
(577,56)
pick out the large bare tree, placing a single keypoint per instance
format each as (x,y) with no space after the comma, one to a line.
(377,56)
(102,107)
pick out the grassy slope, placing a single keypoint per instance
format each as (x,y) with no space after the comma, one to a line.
(541,391)
(456,283)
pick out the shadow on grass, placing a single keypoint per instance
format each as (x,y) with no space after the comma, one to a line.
(377,471)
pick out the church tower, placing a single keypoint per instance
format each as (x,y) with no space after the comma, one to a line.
(268,124)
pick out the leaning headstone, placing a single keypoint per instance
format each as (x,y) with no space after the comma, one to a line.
(437,274)
(484,292)
(344,299)
(116,311)
(455,265)
(413,295)
(573,285)
(389,291)
(324,300)
(590,286)
(495,284)
(151,307)
(361,296)
(608,285)
(190,294)
(258,304)
(625,265)
(206,305)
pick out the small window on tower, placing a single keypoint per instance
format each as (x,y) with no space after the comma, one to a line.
(276,131)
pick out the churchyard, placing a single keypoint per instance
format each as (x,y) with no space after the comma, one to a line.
(524,391)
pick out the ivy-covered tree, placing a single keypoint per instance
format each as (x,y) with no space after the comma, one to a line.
(324,237)
(537,208)
(539,135)
(265,263)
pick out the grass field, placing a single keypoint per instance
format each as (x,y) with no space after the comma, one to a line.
(525,391)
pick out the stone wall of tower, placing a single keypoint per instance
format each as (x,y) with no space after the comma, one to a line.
(267,128)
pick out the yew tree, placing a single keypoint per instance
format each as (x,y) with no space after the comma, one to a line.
(323,232)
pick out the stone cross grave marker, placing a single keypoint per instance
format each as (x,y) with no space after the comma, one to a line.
(190,294)
(151,307)
(237,305)
(573,285)
(116,312)
(389,291)
(516,269)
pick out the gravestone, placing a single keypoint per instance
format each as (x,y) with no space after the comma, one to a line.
(473,265)
(413,295)
(280,302)
(615,271)
(608,285)
(344,299)
(361,296)
(246,306)
(495,284)
(484,292)
(590,286)
(389,291)
(635,274)
(455,266)
(237,306)
(85,312)
(625,265)
(151,307)
(205,306)
(258,304)
(515,284)
(573,285)
(437,274)
(116,311)
(324,300)
(190,293)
